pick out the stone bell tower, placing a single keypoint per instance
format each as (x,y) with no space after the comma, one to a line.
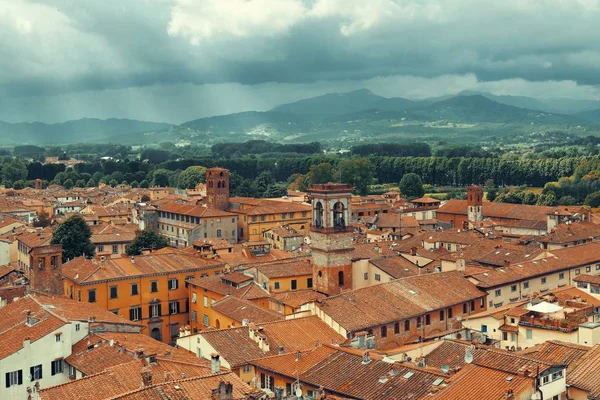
(217,188)
(475,203)
(331,237)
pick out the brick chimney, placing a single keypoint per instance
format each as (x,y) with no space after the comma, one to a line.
(223,392)
(146,373)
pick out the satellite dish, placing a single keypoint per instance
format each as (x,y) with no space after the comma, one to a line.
(468,358)
(445,368)
(298,392)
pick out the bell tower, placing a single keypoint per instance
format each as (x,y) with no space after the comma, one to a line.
(475,203)
(217,188)
(331,237)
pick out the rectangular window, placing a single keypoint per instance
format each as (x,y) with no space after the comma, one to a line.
(526,285)
(588,268)
(246,368)
(135,313)
(309,283)
(194,316)
(407,325)
(77,327)
(173,284)
(498,292)
(441,315)
(543,280)
(397,328)
(483,328)
(427,320)
(276,285)
(205,301)
(283,215)
(154,310)
(57,337)
(78,294)
(113,292)
(153,286)
(174,307)
(115,249)
(100,248)
(449,313)
(218,233)
(92,296)
(56,367)
(561,276)
(205,320)
(472,305)
(262,218)
(294,284)
(378,277)
(464,308)
(194,298)
(513,288)
(384,331)
(14,378)
(366,276)
(529,333)
(36,372)
(134,289)
(419,322)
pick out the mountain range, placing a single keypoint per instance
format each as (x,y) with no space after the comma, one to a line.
(312,116)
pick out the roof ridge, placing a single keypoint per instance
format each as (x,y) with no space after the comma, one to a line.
(48,310)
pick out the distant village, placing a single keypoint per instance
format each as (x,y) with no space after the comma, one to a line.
(320,294)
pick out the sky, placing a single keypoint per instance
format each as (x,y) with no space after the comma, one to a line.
(177,60)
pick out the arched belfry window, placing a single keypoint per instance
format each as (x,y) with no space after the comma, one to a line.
(341,278)
(338,215)
(318,215)
(218,184)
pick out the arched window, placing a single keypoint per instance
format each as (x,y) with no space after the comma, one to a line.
(221,173)
(341,278)
(397,328)
(338,215)
(219,184)
(318,215)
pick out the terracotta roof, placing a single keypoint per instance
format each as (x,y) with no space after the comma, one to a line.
(509,328)
(272,207)
(36,239)
(396,267)
(193,210)
(95,353)
(215,284)
(556,260)
(566,233)
(73,311)
(593,279)
(124,237)
(300,266)
(236,277)
(585,373)
(199,387)
(239,309)
(450,353)
(84,271)
(476,383)
(397,300)
(297,298)
(344,373)
(14,329)
(236,346)
(558,352)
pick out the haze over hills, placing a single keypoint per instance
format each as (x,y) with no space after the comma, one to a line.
(327,117)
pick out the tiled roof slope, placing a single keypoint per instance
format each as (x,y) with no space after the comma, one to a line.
(400,299)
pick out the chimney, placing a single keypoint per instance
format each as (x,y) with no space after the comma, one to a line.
(146,373)
(28,320)
(506,263)
(26,343)
(413,251)
(223,392)
(215,363)
(281,350)
(298,355)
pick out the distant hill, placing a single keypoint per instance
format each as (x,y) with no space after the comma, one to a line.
(77,131)
(478,108)
(592,116)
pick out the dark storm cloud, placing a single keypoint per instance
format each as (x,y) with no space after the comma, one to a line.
(64,45)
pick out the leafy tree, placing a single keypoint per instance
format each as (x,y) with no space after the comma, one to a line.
(20,184)
(113,183)
(161,177)
(135,184)
(567,201)
(68,184)
(13,171)
(42,220)
(147,239)
(593,200)
(74,235)
(191,176)
(357,172)
(144,184)
(91,183)
(411,185)
(321,173)
(80,183)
